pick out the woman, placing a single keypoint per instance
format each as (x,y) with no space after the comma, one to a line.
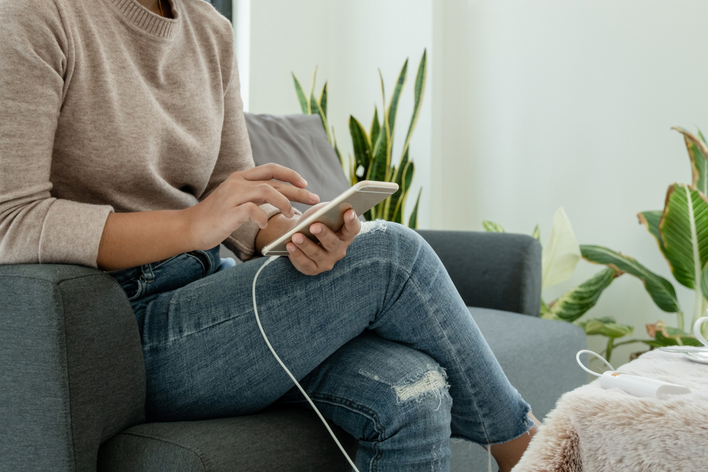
(123,146)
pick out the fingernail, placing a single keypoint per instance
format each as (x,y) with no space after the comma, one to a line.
(314,198)
(351,215)
(304,182)
(315,229)
(298,239)
(290,247)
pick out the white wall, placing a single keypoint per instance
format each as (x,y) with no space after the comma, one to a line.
(569,104)
(348,41)
(531,105)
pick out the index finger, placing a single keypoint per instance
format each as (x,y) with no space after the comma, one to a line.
(275,171)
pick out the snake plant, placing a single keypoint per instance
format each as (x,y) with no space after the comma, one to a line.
(373,148)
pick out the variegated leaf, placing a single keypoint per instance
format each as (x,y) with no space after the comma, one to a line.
(684,230)
(561,254)
(577,301)
(659,289)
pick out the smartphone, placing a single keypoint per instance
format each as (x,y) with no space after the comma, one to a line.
(361,197)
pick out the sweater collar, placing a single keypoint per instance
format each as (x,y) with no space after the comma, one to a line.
(140,17)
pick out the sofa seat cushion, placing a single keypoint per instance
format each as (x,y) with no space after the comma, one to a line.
(283,439)
(531,351)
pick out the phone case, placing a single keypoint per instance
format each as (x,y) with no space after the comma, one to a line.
(361,197)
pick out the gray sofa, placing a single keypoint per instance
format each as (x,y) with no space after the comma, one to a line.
(72,382)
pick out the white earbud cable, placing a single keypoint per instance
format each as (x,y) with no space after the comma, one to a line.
(582,366)
(292,377)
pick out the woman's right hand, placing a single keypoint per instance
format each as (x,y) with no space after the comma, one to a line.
(236,201)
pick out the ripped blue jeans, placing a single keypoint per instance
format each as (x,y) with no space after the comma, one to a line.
(382,343)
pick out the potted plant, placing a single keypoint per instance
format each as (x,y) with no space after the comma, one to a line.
(373,149)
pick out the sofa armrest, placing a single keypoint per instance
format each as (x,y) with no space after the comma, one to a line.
(71,366)
(492,270)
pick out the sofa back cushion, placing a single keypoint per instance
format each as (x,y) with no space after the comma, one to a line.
(300,143)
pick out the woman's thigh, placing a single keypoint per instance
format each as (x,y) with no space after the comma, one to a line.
(204,353)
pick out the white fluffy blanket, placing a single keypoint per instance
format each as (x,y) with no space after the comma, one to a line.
(593,429)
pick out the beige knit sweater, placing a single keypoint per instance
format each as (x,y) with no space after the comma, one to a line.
(104,107)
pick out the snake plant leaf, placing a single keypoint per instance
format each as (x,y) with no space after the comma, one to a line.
(420,79)
(413,220)
(698,153)
(606,327)
(375,127)
(317,109)
(577,301)
(304,104)
(651,219)
(380,161)
(536,234)
(393,105)
(492,227)
(323,99)
(361,144)
(337,151)
(561,254)
(659,289)
(403,177)
(684,230)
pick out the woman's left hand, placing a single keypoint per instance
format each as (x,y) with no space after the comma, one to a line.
(312,258)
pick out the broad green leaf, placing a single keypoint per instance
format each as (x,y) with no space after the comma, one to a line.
(413,220)
(659,289)
(304,104)
(492,227)
(651,219)
(684,230)
(665,335)
(393,105)
(546,312)
(418,97)
(700,135)
(704,281)
(605,327)
(576,302)
(323,100)
(360,141)
(698,153)
(561,254)
(537,234)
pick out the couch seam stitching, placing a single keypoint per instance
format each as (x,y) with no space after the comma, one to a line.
(143,435)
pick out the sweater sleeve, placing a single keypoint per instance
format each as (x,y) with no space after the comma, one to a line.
(34,62)
(236,155)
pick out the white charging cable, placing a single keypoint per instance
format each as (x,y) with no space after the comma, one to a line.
(292,377)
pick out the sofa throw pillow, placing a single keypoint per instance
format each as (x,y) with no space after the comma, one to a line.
(300,143)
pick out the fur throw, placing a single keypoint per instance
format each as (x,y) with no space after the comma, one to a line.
(597,430)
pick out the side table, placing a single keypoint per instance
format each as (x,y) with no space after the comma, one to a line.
(596,430)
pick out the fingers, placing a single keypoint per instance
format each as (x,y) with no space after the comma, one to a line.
(295,194)
(275,171)
(351,227)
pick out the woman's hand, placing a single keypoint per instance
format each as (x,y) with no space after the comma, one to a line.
(236,201)
(312,258)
